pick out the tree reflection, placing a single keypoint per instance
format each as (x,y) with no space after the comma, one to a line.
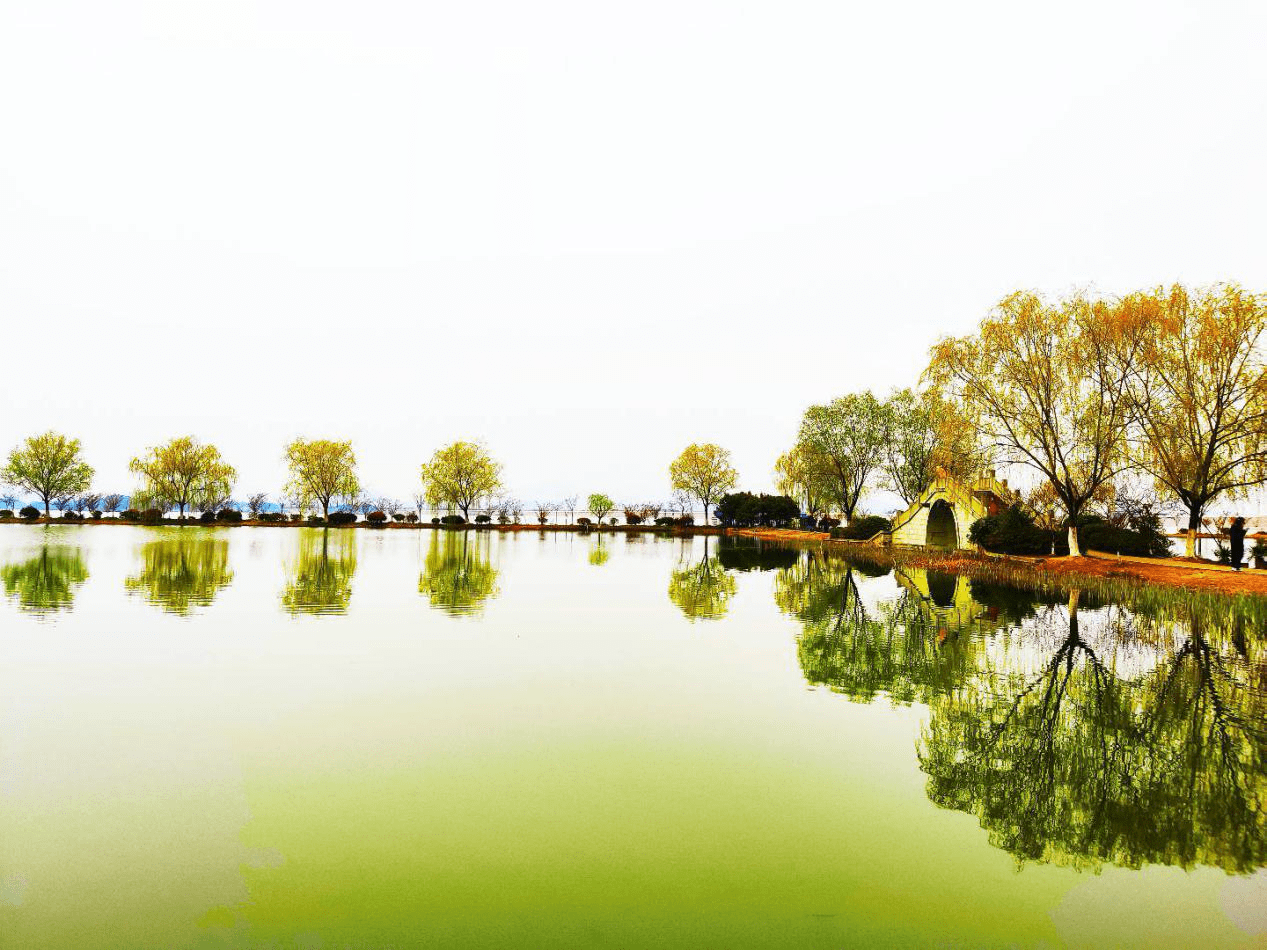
(46,583)
(1142,741)
(321,574)
(702,591)
(600,554)
(906,646)
(458,575)
(752,554)
(1076,766)
(182,572)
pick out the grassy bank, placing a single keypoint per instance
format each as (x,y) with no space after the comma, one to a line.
(1102,576)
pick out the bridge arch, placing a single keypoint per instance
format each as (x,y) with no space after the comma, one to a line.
(942,532)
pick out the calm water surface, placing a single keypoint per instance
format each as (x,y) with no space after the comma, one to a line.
(283,738)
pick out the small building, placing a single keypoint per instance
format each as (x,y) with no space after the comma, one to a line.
(940,519)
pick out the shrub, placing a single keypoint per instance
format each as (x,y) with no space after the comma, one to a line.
(96,516)
(631,518)
(452,519)
(412,518)
(296,517)
(398,517)
(270,517)
(1142,537)
(207,517)
(1012,531)
(744,509)
(861,529)
(826,524)
(340,518)
(584,521)
(229,516)
(151,516)
(6,514)
(30,513)
(482,519)
(435,520)
(376,517)
(130,515)
(665,521)
(316,521)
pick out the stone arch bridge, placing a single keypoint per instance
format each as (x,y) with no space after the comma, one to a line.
(941,517)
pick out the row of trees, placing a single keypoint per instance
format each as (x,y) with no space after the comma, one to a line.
(187,475)
(1170,385)
(857,442)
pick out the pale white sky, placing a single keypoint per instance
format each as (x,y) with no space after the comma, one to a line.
(586,233)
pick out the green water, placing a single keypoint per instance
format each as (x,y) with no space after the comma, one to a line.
(283,738)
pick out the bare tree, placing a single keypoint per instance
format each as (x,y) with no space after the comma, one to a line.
(255,504)
(569,505)
(111,503)
(544,509)
(420,503)
(683,504)
(213,501)
(9,501)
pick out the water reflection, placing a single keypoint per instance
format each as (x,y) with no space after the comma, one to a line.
(46,583)
(1076,734)
(182,572)
(458,575)
(320,576)
(752,554)
(600,553)
(701,588)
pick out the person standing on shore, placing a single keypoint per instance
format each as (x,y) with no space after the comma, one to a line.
(1236,539)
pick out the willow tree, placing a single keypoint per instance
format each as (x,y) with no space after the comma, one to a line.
(843,444)
(461,475)
(797,477)
(49,466)
(1046,385)
(184,473)
(927,437)
(703,471)
(1200,392)
(321,472)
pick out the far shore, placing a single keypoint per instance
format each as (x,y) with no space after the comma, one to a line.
(1094,568)
(672,530)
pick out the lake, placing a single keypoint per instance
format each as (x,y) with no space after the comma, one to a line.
(277,738)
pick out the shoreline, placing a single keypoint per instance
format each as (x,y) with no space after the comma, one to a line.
(1095,570)
(669,530)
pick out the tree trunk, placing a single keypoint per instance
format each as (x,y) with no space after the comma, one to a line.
(1190,538)
(46,512)
(1074,550)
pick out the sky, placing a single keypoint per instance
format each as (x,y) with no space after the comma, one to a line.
(587,234)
